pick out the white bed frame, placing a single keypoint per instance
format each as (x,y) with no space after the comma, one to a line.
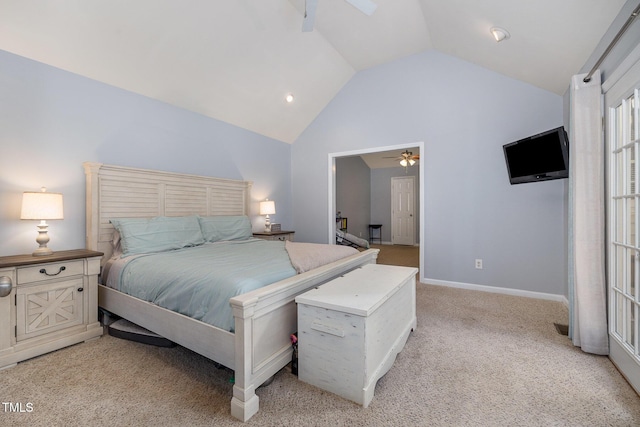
(264,318)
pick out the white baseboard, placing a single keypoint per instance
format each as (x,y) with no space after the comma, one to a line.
(496,290)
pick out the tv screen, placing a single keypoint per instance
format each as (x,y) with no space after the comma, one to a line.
(539,157)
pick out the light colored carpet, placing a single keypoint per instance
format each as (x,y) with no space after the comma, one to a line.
(475,359)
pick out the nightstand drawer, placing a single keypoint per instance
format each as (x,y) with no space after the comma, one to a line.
(58,270)
(275,235)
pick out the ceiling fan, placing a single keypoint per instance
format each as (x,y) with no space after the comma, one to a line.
(407,158)
(365,6)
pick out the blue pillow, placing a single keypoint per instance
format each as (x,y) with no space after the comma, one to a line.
(148,235)
(219,228)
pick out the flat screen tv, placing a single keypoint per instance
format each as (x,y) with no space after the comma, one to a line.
(539,157)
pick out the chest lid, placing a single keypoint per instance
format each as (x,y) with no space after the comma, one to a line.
(361,291)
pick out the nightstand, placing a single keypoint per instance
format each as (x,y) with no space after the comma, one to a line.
(51,302)
(275,235)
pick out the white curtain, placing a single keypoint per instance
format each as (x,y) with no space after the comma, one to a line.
(587,287)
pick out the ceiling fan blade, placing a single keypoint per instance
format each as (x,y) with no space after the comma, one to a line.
(310,7)
(365,6)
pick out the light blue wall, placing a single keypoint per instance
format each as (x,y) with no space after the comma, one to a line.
(464,114)
(52,121)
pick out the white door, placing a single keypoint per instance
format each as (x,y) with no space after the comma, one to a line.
(623,257)
(403,220)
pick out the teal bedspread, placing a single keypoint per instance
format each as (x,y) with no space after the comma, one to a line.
(199,281)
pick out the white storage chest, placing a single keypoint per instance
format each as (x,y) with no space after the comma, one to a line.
(351,329)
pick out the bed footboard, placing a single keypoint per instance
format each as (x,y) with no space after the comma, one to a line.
(264,320)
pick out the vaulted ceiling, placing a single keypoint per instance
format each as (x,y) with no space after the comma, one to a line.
(236,60)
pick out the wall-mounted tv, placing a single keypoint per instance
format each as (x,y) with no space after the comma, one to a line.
(539,157)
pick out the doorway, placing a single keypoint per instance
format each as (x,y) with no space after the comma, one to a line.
(417,147)
(622,106)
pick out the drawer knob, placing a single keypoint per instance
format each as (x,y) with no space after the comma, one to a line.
(80,289)
(44,271)
(5,286)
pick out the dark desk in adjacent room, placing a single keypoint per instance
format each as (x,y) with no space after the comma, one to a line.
(372,228)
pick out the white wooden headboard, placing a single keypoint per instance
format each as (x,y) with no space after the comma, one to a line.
(123,192)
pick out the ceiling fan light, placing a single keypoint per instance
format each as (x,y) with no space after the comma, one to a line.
(289,98)
(403,163)
(499,33)
(412,162)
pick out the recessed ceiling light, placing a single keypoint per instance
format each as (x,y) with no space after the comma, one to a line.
(499,33)
(289,98)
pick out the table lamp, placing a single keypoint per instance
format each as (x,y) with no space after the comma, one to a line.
(268,207)
(42,206)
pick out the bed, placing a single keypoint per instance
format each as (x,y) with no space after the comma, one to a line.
(258,345)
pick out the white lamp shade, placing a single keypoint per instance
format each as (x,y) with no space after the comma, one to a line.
(268,207)
(41,205)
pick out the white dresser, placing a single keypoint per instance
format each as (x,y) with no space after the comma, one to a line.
(351,329)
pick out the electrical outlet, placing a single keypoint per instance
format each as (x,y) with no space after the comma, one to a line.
(479,264)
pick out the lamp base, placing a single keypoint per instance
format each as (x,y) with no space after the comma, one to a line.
(42,239)
(42,252)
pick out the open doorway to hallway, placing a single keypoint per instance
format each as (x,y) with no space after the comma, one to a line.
(360,195)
